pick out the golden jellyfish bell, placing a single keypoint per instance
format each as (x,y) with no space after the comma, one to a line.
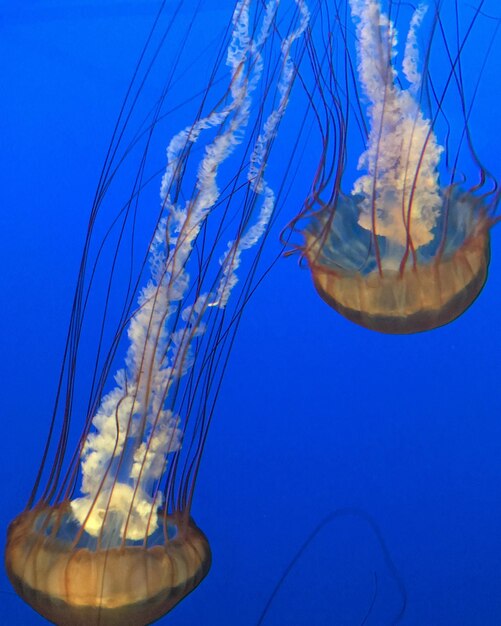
(76,585)
(432,287)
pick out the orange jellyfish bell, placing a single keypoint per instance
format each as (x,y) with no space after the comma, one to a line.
(407,250)
(400,292)
(69,581)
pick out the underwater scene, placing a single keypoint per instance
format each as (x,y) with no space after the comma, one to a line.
(250,269)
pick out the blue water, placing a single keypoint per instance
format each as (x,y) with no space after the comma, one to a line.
(315,413)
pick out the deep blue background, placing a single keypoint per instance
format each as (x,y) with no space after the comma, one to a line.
(315,413)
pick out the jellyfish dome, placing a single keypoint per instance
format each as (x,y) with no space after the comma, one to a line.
(72,580)
(386,287)
(402,252)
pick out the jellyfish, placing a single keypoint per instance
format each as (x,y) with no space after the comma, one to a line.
(107,536)
(407,248)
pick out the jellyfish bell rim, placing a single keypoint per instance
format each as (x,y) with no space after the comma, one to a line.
(155,578)
(353,294)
